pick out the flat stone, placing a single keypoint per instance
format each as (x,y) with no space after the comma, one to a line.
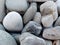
(52,33)
(13,21)
(30,13)
(49,8)
(31,40)
(33,28)
(37,17)
(40,0)
(2,10)
(17,5)
(47,21)
(57,23)
(6,38)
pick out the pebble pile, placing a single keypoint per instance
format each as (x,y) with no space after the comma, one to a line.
(29,22)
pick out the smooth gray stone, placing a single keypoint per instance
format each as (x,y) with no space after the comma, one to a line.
(29,39)
(33,28)
(30,13)
(2,27)
(6,38)
(2,10)
(16,36)
(13,21)
(17,5)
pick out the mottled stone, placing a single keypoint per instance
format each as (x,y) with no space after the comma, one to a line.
(49,8)
(13,21)
(31,11)
(2,27)
(33,28)
(17,5)
(6,38)
(52,33)
(37,17)
(47,21)
(30,39)
(2,10)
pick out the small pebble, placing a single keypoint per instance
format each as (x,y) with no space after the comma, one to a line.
(2,10)
(17,5)
(33,28)
(52,33)
(47,21)
(37,17)
(49,8)
(31,40)
(30,13)
(6,38)
(13,21)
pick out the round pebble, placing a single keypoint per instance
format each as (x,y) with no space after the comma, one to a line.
(47,21)
(17,5)
(6,38)
(32,40)
(13,21)
(52,33)
(30,13)
(33,28)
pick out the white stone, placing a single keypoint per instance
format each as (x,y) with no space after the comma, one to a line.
(33,28)
(6,38)
(58,5)
(17,5)
(47,21)
(52,33)
(13,21)
(57,23)
(49,8)
(31,40)
(37,17)
(30,13)
(2,10)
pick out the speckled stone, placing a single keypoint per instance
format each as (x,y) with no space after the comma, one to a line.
(29,39)
(52,33)
(6,38)
(13,21)
(33,28)
(17,5)
(37,17)
(49,8)
(2,27)
(31,11)
(47,21)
